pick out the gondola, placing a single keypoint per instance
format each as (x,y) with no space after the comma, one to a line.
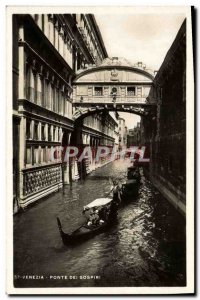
(131,186)
(129,189)
(133,173)
(85,232)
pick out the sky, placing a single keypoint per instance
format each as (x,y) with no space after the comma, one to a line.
(139,37)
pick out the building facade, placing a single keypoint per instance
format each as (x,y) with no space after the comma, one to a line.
(122,133)
(134,136)
(48,50)
(165,131)
(99,130)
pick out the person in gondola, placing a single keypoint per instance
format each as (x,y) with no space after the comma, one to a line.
(89,214)
(115,202)
(102,215)
(86,212)
(96,217)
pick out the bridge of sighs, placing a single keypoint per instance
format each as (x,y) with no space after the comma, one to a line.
(115,85)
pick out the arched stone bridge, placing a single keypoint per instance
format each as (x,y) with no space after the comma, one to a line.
(115,85)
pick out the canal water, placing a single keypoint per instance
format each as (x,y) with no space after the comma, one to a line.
(146,247)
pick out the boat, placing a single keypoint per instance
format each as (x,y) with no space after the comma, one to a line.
(86,231)
(133,173)
(131,185)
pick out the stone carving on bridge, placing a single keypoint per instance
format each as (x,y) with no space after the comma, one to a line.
(114,75)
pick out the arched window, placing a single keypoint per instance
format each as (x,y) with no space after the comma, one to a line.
(27,87)
(51,96)
(40,89)
(45,92)
(30,84)
(35,87)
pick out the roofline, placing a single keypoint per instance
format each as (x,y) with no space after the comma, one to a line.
(96,27)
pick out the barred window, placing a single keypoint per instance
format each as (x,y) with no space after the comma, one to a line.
(131,91)
(98,91)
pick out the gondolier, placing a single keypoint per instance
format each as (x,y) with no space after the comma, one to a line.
(116,191)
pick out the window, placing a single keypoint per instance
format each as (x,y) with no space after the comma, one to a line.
(49,133)
(49,154)
(61,103)
(131,91)
(28,156)
(43,132)
(35,87)
(30,83)
(35,154)
(40,90)
(56,100)
(28,130)
(54,134)
(43,155)
(98,91)
(66,107)
(39,155)
(78,61)
(44,92)
(36,131)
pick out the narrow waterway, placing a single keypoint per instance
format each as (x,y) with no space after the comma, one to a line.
(145,248)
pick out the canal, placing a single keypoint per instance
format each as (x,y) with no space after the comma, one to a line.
(145,248)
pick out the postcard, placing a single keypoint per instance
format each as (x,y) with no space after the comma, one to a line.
(100,114)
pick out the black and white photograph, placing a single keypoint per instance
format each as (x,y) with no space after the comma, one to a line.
(100,107)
